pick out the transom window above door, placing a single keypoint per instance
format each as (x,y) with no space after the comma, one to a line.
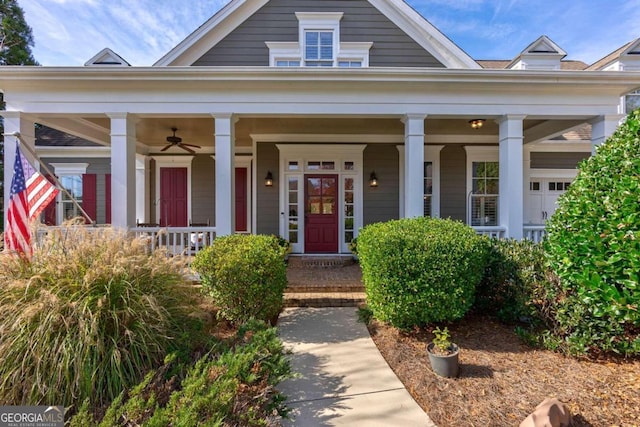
(319,45)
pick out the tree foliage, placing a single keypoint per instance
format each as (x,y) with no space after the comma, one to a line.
(16,38)
(16,41)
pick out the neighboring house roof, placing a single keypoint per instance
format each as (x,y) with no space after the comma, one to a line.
(582,133)
(236,12)
(49,137)
(616,54)
(501,64)
(106,57)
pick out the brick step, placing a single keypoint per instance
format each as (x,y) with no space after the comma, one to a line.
(324,288)
(324,299)
(319,261)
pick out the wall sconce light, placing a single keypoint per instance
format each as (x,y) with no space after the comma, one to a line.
(476,123)
(373,180)
(268,180)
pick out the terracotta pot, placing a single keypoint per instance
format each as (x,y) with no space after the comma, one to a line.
(444,365)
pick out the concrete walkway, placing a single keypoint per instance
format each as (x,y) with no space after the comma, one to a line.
(344,380)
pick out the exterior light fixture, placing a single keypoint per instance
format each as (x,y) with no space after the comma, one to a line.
(476,123)
(373,180)
(268,180)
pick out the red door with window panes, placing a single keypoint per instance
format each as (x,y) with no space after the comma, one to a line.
(321,214)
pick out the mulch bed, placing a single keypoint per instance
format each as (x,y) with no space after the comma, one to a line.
(502,380)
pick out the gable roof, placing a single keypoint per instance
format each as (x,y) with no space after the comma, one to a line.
(236,12)
(542,46)
(633,47)
(106,57)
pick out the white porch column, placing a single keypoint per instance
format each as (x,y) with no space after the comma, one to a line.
(15,122)
(414,165)
(511,205)
(142,188)
(123,170)
(225,203)
(602,128)
(526,178)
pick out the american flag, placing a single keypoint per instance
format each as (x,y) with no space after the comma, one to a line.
(30,194)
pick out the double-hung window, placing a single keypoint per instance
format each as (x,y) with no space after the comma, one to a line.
(318,48)
(484,193)
(73,185)
(632,101)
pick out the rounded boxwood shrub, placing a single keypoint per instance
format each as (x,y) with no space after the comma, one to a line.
(420,270)
(594,247)
(245,274)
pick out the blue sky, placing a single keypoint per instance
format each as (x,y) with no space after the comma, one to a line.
(69,32)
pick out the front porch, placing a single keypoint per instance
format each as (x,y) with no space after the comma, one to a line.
(333,155)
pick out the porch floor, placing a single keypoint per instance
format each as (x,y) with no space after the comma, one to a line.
(323,282)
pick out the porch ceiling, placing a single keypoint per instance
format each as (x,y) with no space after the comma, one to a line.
(151,132)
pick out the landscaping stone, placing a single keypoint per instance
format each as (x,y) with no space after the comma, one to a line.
(550,413)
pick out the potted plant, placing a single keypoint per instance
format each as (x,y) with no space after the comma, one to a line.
(443,354)
(353,247)
(285,245)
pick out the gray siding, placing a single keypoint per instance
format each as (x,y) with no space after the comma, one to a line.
(97,166)
(557,160)
(276,21)
(381,203)
(453,185)
(203,205)
(267,197)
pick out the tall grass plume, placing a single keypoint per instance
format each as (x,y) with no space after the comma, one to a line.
(87,316)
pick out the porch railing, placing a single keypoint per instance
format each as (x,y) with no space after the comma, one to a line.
(176,240)
(491,231)
(535,233)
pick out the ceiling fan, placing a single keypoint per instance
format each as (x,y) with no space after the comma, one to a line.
(176,141)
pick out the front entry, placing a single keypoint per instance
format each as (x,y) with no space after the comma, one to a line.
(321,214)
(173,197)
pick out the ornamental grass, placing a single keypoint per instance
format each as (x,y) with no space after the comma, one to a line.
(88,315)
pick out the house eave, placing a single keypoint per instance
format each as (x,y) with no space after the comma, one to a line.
(41,75)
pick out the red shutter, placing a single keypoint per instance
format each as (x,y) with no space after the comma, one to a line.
(241,199)
(89,195)
(50,210)
(107,195)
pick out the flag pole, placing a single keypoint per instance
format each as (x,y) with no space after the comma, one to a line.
(57,182)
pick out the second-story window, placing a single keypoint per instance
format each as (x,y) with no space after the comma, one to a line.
(318,48)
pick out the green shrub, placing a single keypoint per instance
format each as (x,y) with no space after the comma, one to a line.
(245,274)
(88,316)
(594,247)
(513,286)
(420,270)
(232,386)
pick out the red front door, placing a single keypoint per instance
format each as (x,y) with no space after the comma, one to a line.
(321,214)
(173,197)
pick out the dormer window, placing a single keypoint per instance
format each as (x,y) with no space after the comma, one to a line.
(318,48)
(319,45)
